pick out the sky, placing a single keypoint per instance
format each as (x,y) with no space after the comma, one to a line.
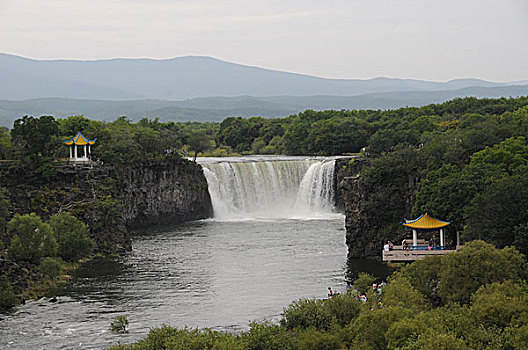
(350,39)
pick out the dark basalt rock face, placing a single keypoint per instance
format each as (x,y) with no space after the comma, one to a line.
(155,192)
(356,221)
(111,199)
(363,236)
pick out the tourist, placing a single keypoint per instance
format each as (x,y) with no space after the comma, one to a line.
(374,287)
(391,245)
(386,247)
(405,245)
(330,292)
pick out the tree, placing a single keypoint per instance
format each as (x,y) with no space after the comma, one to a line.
(36,136)
(199,142)
(6,148)
(476,264)
(31,238)
(495,213)
(7,297)
(73,240)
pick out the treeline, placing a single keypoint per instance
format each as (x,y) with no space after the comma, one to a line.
(476,298)
(306,133)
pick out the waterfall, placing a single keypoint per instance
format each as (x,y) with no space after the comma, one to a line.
(270,188)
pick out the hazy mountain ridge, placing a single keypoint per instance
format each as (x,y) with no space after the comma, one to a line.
(183,78)
(218,108)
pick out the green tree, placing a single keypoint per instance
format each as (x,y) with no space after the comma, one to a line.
(199,142)
(73,239)
(7,297)
(495,213)
(476,264)
(31,240)
(36,136)
(6,148)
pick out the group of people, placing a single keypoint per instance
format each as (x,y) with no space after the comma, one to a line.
(388,246)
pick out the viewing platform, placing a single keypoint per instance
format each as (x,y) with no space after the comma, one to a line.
(418,253)
(417,249)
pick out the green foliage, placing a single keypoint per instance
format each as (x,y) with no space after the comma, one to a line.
(7,296)
(313,339)
(119,324)
(4,215)
(36,136)
(400,292)
(51,267)
(364,282)
(6,147)
(424,277)
(31,238)
(498,214)
(305,313)
(476,264)
(73,240)
(199,142)
(266,336)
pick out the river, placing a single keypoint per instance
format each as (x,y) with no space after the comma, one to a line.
(256,256)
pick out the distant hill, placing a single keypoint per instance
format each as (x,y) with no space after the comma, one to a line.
(184,78)
(218,108)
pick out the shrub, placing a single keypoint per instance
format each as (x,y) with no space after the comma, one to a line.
(313,339)
(478,263)
(119,324)
(344,308)
(364,282)
(32,239)
(51,267)
(7,297)
(306,313)
(74,243)
(267,336)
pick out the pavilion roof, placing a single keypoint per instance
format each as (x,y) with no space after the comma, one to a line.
(80,140)
(425,222)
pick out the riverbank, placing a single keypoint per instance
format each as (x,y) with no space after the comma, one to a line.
(109,199)
(482,304)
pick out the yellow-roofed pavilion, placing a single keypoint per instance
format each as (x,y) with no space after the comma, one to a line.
(80,148)
(420,248)
(425,223)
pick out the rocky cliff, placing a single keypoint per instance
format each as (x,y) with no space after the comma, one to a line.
(111,199)
(377,196)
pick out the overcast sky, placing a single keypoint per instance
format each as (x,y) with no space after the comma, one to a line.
(423,39)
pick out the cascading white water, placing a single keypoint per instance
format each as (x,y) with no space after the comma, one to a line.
(270,189)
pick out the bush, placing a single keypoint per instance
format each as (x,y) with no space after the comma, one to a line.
(32,239)
(364,282)
(74,243)
(174,338)
(119,324)
(51,267)
(306,313)
(267,336)
(313,339)
(7,297)
(478,263)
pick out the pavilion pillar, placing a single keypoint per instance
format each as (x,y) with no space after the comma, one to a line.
(89,150)
(70,152)
(415,238)
(85,152)
(75,153)
(442,238)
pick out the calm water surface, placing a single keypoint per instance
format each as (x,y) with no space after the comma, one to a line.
(217,274)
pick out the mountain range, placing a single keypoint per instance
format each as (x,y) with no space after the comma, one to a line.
(205,88)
